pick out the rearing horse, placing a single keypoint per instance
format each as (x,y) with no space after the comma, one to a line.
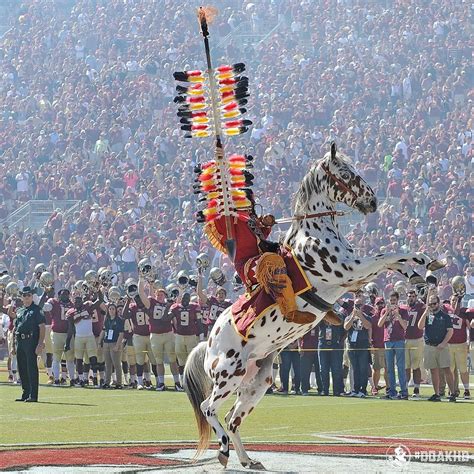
(227,363)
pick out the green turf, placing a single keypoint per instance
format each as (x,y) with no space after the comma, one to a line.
(80,415)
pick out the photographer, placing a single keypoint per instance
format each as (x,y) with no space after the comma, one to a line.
(438,331)
(358,325)
(394,320)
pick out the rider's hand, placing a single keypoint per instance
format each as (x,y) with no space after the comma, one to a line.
(268,220)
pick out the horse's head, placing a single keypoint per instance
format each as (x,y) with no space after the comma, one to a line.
(345,185)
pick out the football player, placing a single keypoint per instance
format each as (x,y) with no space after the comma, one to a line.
(59,329)
(414,342)
(97,325)
(80,324)
(187,324)
(136,311)
(458,344)
(215,304)
(162,337)
(10,310)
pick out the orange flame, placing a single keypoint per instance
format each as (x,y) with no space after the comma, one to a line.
(208,12)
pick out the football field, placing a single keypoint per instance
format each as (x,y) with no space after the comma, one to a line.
(84,430)
(78,415)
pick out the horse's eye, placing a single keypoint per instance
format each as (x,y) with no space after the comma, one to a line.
(345,175)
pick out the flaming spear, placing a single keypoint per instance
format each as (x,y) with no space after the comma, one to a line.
(212,104)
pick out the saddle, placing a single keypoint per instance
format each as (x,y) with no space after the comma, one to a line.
(250,307)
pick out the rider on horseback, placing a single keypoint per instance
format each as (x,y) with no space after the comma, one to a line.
(257,260)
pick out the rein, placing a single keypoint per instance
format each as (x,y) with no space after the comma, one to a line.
(338,182)
(285,220)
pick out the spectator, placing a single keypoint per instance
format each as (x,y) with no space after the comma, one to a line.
(290,358)
(394,320)
(129,257)
(358,324)
(18,264)
(438,329)
(308,360)
(331,345)
(378,347)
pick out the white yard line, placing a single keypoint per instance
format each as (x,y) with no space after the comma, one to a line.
(352,430)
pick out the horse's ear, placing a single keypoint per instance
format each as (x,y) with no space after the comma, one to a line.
(333,151)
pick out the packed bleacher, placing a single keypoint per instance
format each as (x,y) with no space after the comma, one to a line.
(86,113)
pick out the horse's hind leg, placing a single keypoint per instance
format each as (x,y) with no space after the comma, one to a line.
(248,396)
(225,384)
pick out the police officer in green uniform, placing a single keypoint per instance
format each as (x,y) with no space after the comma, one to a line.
(29,335)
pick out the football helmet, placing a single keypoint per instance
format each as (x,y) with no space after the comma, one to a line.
(4,280)
(421,291)
(458,285)
(237,282)
(92,279)
(183,279)
(203,261)
(145,269)
(156,284)
(400,287)
(39,269)
(431,279)
(46,280)
(114,294)
(193,281)
(131,287)
(12,289)
(172,291)
(78,287)
(105,276)
(371,289)
(217,276)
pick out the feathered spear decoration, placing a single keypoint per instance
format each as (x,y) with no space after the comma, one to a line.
(211,103)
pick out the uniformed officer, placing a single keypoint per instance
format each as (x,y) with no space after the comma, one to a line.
(29,334)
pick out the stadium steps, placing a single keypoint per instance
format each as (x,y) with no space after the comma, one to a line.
(34,214)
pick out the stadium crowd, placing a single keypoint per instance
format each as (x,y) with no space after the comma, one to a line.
(94,332)
(86,113)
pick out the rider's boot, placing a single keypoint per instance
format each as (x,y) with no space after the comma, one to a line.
(286,302)
(271,274)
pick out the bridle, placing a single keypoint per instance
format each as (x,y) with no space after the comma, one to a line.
(341,185)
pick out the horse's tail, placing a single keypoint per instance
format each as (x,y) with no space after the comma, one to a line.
(198,386)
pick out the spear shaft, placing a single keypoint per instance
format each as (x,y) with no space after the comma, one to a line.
(219,153)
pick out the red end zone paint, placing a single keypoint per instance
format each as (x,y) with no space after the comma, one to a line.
(141,454)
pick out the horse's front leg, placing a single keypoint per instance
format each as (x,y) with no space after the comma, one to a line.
(365,269)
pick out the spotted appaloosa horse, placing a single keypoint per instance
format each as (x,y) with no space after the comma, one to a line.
(227,364)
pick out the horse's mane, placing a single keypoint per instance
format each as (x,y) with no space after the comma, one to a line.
(309,185)
(305,190)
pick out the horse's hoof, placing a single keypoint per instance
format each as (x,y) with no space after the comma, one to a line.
(332,318)
(416,280)
(256,466)
(223,458)
(436,265)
